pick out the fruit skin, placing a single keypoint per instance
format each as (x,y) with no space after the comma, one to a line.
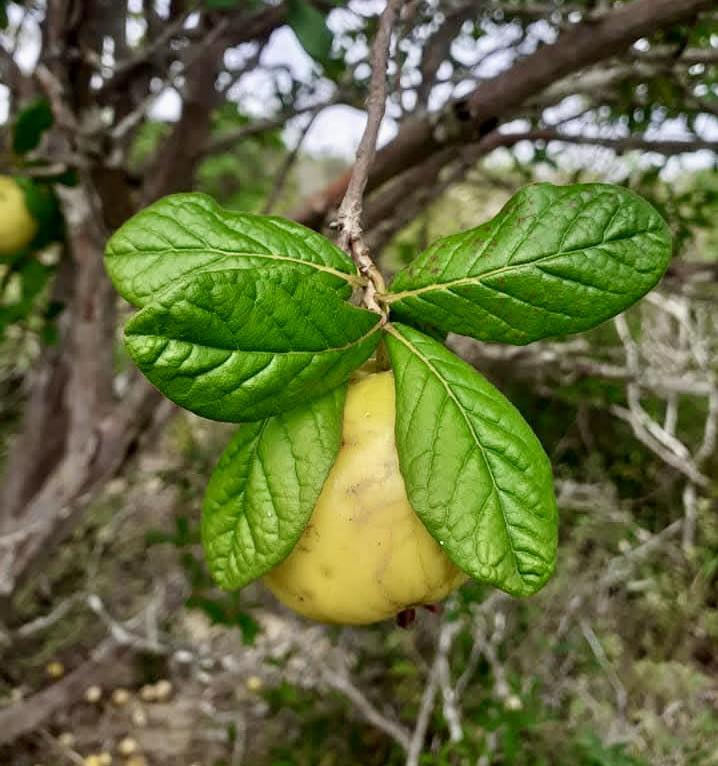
(365,555)
(17,226)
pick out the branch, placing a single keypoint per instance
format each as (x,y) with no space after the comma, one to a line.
(602,659)
(125,70)
(628,143)
(230,139)
(350,210)
(409,194)
(342,684)
(282,175)
(107,665)
(422,721)
(53,512)
(481,111)
(669,448)
(669,55)
(452,715)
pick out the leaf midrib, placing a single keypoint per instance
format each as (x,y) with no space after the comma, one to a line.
(356,342)
(478,279)
(495,488)
(352,279)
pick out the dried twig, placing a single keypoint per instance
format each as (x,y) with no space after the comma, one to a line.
(449,697)
(341,683)
(422,721)
(602,659)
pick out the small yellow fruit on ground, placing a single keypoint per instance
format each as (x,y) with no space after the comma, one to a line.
(17,226)
(120,697)
(93,694)
(148,693)
(55,669)
(127,746)
(163,690)
(365,555)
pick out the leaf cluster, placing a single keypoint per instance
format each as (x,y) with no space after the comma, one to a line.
(247,318)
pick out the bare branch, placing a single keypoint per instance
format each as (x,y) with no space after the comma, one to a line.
(629,143)
(283,173)
(448,633)
(481,111)
(230,139)
(600,655)
(428,699)
(343,684)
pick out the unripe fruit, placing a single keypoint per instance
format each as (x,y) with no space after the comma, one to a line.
(364,555)
(17,226)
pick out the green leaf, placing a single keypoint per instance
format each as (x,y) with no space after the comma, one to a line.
(242,345)
(43,205)
(474,470)
(264,489)
(556,260)
(187,233)
(30,124)
(311,29)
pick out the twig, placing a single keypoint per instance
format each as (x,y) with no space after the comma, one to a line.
(350,210)
(668,447)
(422,721)
(607,667)
(488,648)
(41,623)
(70,755)
(285,168)
(448,633)
(227,141)
(54,91)
(342,684)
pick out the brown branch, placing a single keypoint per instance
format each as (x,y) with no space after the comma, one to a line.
(437,48)
(109,665)
(230,139)
(350,210)
(397,205)
(669,55)
(629,143)
(479,113)
(57,507)
(125,70)
(175,163)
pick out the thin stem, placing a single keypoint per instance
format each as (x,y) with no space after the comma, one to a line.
(350,210)
(289,161)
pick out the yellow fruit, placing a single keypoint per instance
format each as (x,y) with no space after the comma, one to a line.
(93,694)
(364,555)
(127,746)
(55,669)
(17,226)
(120,697)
